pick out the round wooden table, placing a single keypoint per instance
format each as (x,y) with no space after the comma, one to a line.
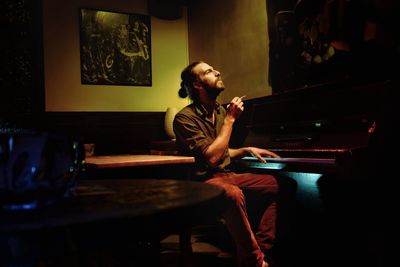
(107,215)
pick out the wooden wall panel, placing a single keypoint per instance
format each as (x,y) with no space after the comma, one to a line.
(111,132)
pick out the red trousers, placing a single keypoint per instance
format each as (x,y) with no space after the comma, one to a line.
(250,240)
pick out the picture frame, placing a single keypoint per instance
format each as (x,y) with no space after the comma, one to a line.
(115,48)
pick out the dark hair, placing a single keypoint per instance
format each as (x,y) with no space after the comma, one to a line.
(188,77)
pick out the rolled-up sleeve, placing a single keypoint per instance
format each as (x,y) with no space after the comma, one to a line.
(190,135)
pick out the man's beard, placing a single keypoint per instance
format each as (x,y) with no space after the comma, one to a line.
(213,92)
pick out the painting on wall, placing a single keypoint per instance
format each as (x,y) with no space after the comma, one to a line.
(115,48)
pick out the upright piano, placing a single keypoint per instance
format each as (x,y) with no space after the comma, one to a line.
(321,128)
(334,143)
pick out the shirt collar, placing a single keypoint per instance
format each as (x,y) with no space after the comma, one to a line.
(201,110)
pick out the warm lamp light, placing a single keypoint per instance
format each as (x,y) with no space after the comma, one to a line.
(168,121)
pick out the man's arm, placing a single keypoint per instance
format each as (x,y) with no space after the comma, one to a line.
(216,150)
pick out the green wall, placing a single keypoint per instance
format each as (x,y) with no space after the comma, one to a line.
(232,36)
(63,89)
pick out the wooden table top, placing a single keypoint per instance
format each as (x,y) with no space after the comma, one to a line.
(114,161)
(138,201)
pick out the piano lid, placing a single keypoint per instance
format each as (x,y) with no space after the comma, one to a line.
(318,119)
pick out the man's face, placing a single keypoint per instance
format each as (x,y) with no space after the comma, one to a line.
(209,79)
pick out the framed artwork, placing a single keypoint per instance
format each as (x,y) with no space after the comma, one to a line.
(115,48)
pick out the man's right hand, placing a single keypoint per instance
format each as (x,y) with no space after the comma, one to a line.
(235,108)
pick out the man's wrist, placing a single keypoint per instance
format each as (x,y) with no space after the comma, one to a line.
(229,120)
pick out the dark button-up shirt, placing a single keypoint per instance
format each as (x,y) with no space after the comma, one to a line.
(195,133)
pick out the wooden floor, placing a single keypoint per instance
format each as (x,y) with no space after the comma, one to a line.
(211,246)
(209,254)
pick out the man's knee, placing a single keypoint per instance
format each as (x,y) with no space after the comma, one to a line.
(269,183)
(234,194)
